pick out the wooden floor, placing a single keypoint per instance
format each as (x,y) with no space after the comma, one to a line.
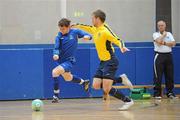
(89,109)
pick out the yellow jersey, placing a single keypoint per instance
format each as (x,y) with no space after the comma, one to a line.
(103,38)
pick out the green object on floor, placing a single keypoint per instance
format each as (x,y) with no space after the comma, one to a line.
(146,95)
(140,93)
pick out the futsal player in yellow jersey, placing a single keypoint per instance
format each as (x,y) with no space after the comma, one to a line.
(105,74)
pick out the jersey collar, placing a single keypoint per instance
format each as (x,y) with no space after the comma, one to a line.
(101,27)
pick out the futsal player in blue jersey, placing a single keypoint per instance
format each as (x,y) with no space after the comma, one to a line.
(64,54)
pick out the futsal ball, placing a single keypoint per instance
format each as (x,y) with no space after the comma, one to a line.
(37,105)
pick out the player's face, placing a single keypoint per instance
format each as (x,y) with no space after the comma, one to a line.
(64,29)
(161,26)
(94,20)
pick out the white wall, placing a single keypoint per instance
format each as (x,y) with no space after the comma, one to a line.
(132,20)
(35,21)
(176,19)
(29,21)
(0,19)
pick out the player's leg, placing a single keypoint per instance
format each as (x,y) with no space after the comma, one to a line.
(75,79)
(108,89)
(97,83)
(110,68)
(124,80)
(106,85)
(56,72)
(97,79)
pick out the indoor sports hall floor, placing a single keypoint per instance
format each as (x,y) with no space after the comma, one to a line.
(89,109)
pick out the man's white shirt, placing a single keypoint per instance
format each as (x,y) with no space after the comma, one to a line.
(163,48)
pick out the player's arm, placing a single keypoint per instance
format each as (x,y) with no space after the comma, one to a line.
(123,48)
(87,28)
(83,34)
(115,40)
(56,48)
(171,43)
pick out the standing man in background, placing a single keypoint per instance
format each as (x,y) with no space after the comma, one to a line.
(163,60)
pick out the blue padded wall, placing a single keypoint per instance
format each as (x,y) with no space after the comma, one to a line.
(144,66)
(25,71)
(176,59)
(21,74)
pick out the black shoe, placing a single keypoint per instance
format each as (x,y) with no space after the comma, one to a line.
(172,96)
(86,85)
(55,99)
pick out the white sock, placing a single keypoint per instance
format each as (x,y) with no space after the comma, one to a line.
(82,81)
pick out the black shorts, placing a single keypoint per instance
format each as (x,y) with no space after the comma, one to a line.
(107,69)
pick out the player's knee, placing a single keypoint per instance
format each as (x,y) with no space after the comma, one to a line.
(55,73)
(67,78)
(96,86)
(97,83)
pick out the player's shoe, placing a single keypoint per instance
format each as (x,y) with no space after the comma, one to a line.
(86,85)
(55,99)
(126,81)
(172,96)
(126,105)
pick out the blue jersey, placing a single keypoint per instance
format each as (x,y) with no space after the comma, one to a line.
(66,45)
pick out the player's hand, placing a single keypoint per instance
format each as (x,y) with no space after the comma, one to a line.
(124,49)
(160,42)
(55,57)
(86,37)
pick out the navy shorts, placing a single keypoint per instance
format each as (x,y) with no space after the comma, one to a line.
(107,69)
(68,64)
